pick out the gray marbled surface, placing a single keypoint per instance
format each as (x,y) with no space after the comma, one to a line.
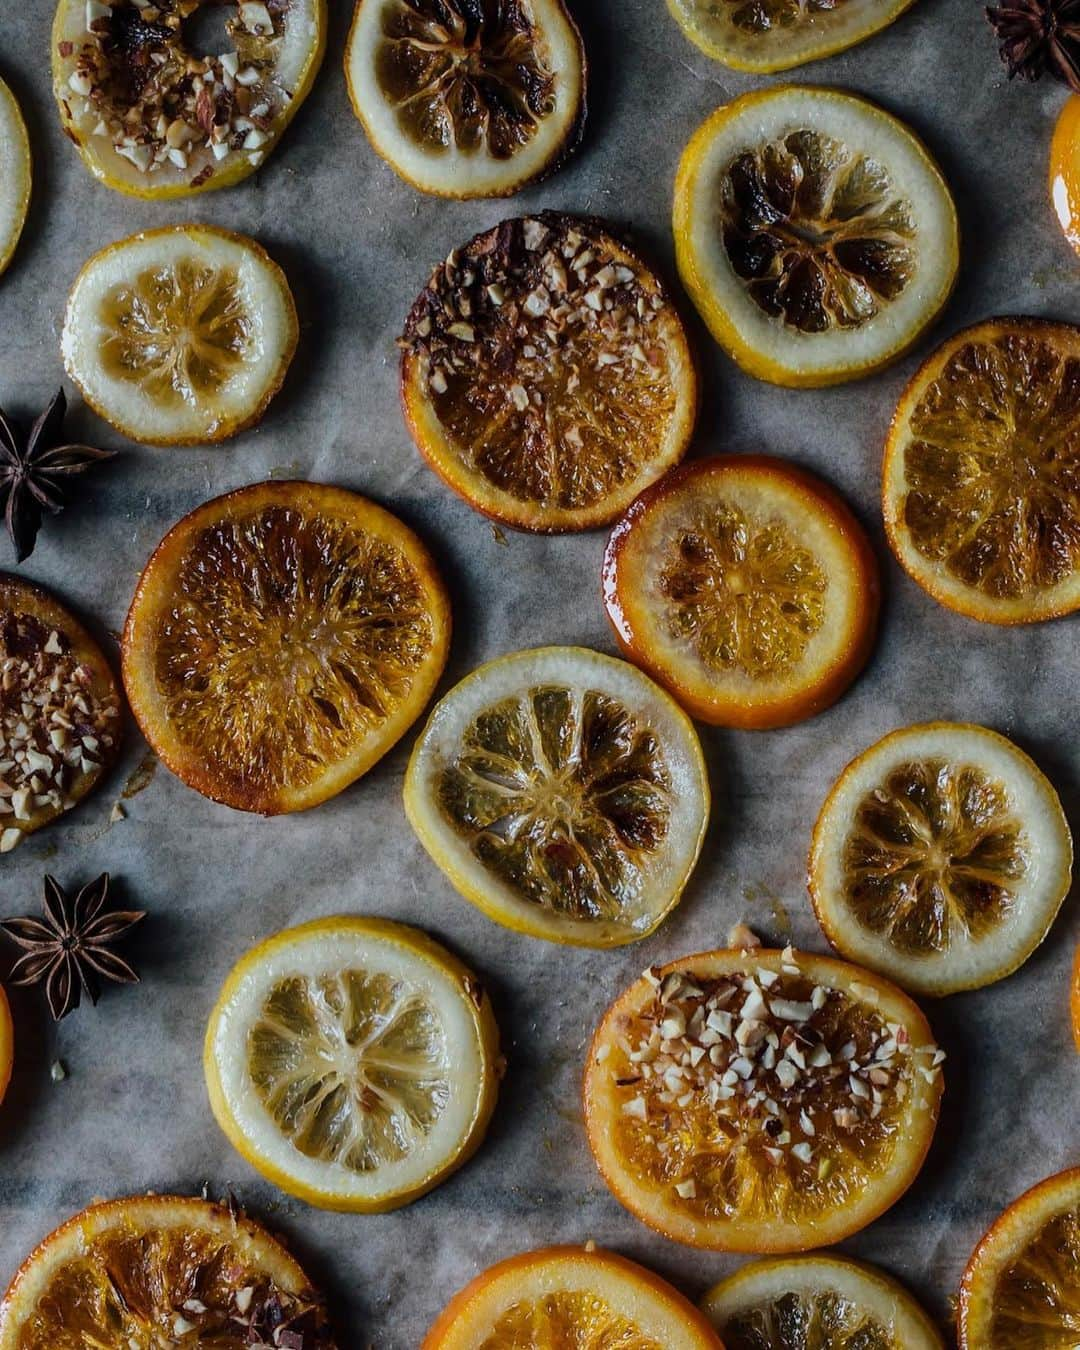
(357,244)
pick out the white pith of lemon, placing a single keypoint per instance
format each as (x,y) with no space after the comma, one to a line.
(15,174)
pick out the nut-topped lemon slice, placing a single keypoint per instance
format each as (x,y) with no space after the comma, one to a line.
(15,174)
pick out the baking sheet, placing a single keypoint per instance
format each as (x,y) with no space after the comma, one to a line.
(357,244)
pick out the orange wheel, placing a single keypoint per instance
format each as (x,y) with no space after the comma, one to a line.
(1065,171)
(7,1043)
(1074,999)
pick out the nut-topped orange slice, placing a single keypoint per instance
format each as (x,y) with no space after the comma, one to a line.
(282,638)
(761,1100)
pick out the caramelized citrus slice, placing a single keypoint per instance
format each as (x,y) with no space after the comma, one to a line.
(814,233)
(153,117)
(282,638)
(817,1302)
(545,374)
(7,1043)
(466,100)
(16,172)
(181,335)
(570,1298)
(1074,999)
(563,793)
(761,1100)
(981,485)
(746,587)
(353,1062)
(160,1271)
(940,858)
(1065,171)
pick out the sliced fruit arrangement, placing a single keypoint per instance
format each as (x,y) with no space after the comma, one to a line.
(153,117)
(981,483)
(466,100)
(818,1302)
(570,1297)
(353,1062)
(545,374)
(814,233)
(60,719)
(746,587)
(181,335)
(940,858)
(16,172)
(282,638)
(1065,170)
(563,793)
(1021,1287)
(161,1270)
(761,1101)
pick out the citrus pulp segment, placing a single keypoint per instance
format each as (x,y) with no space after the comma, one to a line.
(746,587)
(545,374)
(153,117)
(282,638)
(463,100)
(814,233)
(563,793)
(761,1101)
(16,172)
(981,481)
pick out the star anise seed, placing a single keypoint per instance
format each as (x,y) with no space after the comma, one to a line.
(1036,36)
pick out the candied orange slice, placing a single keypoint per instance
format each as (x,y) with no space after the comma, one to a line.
(746,587)
(570,1298)
(1065,171)
(761,1100)
(7,1043)
(545,374)
(282,638)
(161,1270)
(16,172)
(466,100)
(981,484)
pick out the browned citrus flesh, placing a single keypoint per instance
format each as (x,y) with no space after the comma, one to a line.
(982,472)
(545,374)
(282,638)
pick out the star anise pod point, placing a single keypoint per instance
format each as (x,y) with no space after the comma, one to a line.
(1039,36)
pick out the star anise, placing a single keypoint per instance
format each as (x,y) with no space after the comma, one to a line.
(70,948)
(32,473)
(1035,36)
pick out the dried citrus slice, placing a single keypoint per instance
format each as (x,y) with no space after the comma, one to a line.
(817,1302)
(7,1043)
(563,1297)
(153,116)
(161,1270)
(746,587)
(1074,999)
(60,721)
(980,486)
(814,233)
(545,374)
(465,100)
(563,793)
(761,1100)
(16,171)
(353,1062)
(940,858)
(181,335)
(1065,171)
(282,638)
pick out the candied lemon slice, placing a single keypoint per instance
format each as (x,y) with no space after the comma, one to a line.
(814,233)
(570,1297)
(746,587)
(563,793)
(465,100)
(282,638)
(940,858)
(160,1271)
(761,1101)
(546,375)
(353,1062)
(981,484)
(16,171)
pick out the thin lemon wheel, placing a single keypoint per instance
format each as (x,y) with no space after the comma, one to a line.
(570,1297)
(563,793)
(814,233)
(16,173)
(463,101)
(940,858)
(817,1302)
(761,1101)
(153,117)
(353,1062)
(281,640)
(160,1270)
(746,587)
(981,481)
